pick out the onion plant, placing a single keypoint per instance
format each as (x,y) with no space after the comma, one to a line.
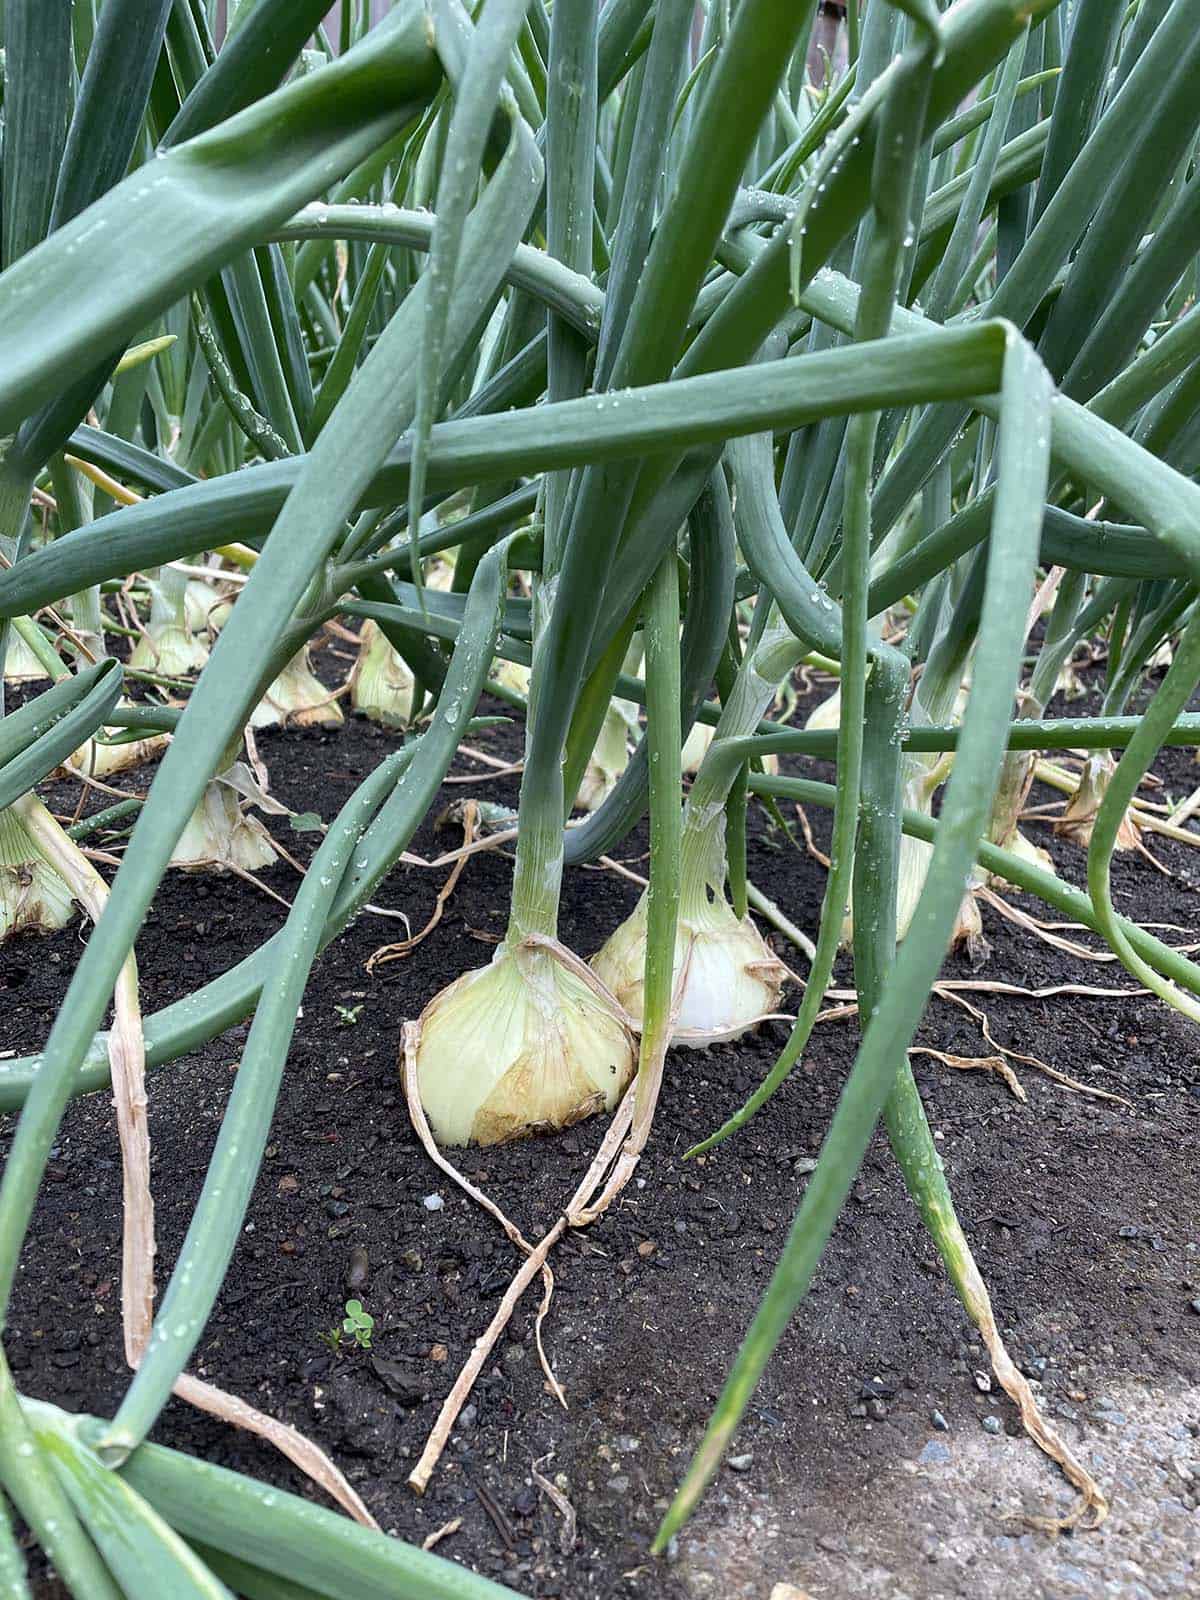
(690,366)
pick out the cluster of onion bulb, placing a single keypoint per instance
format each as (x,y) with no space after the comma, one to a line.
(537,1040)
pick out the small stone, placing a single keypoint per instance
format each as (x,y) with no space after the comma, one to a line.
(358,1269)
(467,1416)
(433,1202)
(876,1389)
(877,1409)
(289,1184)
(804,1165)
(1127,1232)
(992,1425)
(679,1225)
(859,1410)
(939,1422)
(741,1463)
(934,1454)
(412,1260)
(1195,1306)
(646,1248)
(983,1382)
(619,1484)
(438,1353)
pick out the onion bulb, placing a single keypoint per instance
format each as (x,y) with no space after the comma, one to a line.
(297,699)
(530,1042)
(221,835)
(511,675)
(606,763)
(168,645)
(381,685)
(20,663)
(97,760)
(725,976)
(33,896)
(695,748)
(202,600)
(828,713)
(1079,818)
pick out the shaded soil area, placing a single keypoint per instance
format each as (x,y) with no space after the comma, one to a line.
(1083,1214)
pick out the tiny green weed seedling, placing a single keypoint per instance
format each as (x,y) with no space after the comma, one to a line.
(347,1015)
(359,1323)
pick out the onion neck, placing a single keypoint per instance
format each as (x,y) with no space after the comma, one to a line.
(703,843)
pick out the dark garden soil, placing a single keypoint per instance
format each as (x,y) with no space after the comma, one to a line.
(1083,1214)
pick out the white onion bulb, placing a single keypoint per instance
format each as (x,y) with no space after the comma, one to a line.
(730,977)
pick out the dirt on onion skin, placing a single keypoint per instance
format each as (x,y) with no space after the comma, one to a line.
(1082,1213)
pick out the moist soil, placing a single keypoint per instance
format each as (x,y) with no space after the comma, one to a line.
(1082,1212)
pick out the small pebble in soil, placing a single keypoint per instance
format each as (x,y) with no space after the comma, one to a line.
(939,1422)
(741,1463)
(992,1425)
(433,1202)
(358,1269)
(983,1382)
(1196,1307)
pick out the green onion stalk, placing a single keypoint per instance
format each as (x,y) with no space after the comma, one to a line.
(1018,771)
(876,870)
(938,697)
(726,977)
